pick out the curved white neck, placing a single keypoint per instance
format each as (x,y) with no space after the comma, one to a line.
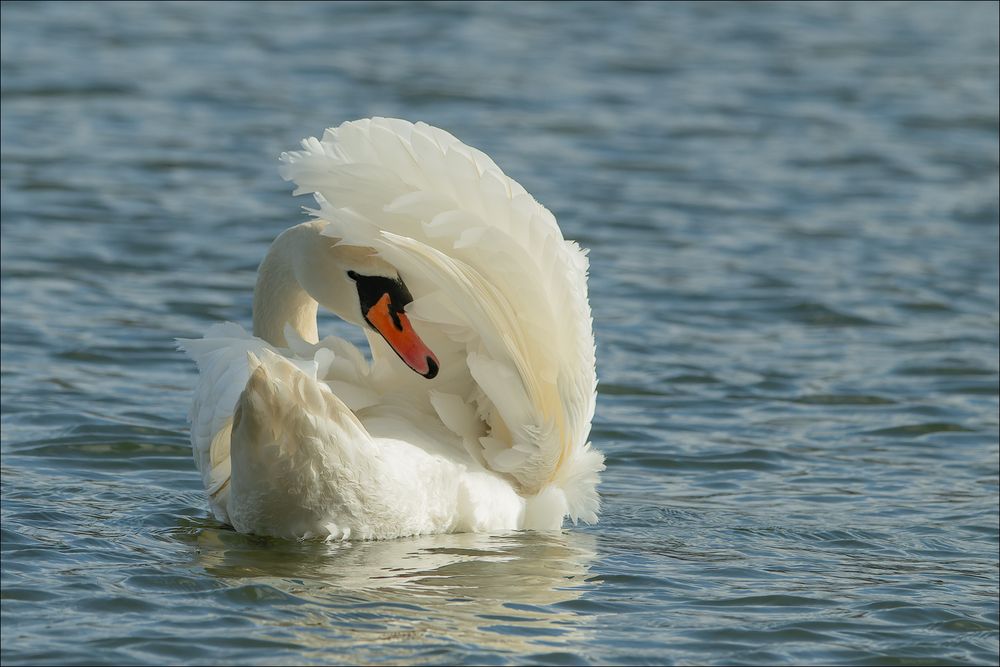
(278,297)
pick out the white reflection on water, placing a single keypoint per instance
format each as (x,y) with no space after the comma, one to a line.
(500,592)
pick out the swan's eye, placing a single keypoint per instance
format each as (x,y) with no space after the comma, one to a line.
(371,289)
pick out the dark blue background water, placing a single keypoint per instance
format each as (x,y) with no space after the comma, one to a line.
(792,212)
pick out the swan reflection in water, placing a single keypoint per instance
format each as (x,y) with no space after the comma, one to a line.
(512,591)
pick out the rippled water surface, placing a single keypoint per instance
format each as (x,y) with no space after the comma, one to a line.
(792,212)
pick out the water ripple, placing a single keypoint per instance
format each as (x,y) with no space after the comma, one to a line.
(792,215)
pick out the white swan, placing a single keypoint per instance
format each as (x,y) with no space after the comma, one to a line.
(475,410)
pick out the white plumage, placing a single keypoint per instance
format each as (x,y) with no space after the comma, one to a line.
(296,437)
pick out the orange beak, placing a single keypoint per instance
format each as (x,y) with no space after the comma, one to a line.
(397,331)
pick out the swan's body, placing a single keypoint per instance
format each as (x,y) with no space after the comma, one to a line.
(475,410)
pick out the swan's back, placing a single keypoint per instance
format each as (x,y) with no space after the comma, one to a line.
(489,267)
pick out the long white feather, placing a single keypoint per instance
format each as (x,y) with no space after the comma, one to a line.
(490,266)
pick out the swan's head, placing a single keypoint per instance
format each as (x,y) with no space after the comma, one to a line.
(365,290)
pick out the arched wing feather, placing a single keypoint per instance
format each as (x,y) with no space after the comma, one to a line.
(488,265)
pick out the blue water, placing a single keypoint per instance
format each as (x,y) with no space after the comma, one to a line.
(792,212)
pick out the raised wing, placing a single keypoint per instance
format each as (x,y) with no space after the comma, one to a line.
(489,266)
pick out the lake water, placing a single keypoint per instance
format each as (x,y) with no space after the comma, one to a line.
(792,212)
